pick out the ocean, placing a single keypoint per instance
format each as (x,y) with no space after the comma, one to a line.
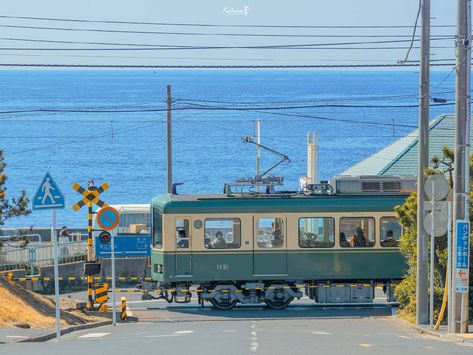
(355,114)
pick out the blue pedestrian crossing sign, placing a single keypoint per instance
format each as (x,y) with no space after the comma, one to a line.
(48,195)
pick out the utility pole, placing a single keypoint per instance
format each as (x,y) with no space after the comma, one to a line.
(312,158)
(316,158)
(422,310)
(461,165)
(168,140)
(258,151)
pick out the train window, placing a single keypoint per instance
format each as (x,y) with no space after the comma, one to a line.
(134,223)
(222,233)
(270,232)
(157,228)
(183,236)
(391,231)
(316,232)
(357,232)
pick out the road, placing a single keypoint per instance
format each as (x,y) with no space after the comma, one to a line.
(302,328)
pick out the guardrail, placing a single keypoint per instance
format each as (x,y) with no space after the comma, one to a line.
(35,255)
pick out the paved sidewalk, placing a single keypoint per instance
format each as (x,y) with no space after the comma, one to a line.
(441,332)
(13,334)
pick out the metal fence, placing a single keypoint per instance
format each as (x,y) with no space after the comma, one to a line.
(37,254)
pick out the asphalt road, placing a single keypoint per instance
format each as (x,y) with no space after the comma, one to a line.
(345,335)
(302,328)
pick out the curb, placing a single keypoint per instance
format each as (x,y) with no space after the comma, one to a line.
(129,319)
(427,331)
(64,331)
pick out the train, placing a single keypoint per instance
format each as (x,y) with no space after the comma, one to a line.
(334,241)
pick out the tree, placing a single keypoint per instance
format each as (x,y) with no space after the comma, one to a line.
(406,291)
(16,206)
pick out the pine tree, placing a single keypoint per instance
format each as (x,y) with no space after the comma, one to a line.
(16,206)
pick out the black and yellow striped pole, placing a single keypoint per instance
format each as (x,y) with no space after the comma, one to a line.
(90,196)
(90,302)
(123,309)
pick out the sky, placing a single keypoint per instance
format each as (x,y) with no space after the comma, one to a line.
(234,12)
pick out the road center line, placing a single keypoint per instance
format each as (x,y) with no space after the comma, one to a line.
(93,335)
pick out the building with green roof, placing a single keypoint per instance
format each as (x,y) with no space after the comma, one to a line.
(400,157)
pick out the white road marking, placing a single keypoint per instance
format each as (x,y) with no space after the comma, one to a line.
(321,333)
(93,335)
(163,335)
(16,336)
(404,337)
(365,345)
(253,339)
(229,331)
(129,313)
(184,332)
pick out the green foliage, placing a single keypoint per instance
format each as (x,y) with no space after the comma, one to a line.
(407,212)
(16,206)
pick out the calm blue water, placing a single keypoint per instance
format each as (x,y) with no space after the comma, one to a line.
(127,150)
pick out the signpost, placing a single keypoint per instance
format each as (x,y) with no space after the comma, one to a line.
(49,196)
(91,196)
(436,188)
(108,218)
(462,229)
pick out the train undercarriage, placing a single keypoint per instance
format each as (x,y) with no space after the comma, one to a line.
(225,295)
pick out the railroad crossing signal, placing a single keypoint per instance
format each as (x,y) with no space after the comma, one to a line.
(89,196)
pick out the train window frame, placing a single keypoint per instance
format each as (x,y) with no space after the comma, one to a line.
(382,233)
(183,241)
(271,244)
(157,228)
(350,244)
(315,246)
(235,242)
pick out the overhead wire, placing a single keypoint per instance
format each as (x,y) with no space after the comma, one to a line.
(209,24)
(218,47)
(414,31)
(198,106)
(152,66)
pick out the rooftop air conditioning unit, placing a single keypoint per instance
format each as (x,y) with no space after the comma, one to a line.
(382,185)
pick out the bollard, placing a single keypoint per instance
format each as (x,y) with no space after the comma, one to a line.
(123,309)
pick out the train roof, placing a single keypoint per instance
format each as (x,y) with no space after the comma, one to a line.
(202,204)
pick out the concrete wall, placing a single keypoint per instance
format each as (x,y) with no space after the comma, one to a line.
(127,267)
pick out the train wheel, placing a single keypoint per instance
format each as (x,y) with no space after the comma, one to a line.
(276,296)
(224,297)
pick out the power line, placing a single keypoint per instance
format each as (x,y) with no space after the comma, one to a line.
(140,66)
(211,25)
(199,107)
(414,31)
(154,45)
(219,34)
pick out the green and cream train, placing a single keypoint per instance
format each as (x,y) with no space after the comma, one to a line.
(269,247)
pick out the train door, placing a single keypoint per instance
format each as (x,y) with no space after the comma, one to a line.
(183,246)
(270,245)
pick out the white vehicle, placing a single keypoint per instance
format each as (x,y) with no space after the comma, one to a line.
(133,234)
